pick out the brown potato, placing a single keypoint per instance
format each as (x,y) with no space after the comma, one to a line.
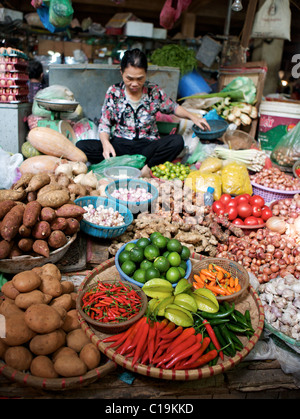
(26,299)
(51,286)
(67,287)
(76,339)
(9,308)
(31,213)
(42,318)
(64,300)
(61,311)
(17,331)
(90,355)
(42,366)
(70,366)
(57,239)
(18,357)
(71,321)
(47,343)
(9,290)
(74,298)
(50,269)
(64,350)
(41,230)
(41,248)
(26,281)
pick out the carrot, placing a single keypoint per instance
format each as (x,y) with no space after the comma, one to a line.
(238,288)
(231,282)
(219,268)
(198,279)
(220,275)
(217,290)
(197,285)
(236,281)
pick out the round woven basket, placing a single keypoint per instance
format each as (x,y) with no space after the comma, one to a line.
(269,194)
(57,384)
(250,302)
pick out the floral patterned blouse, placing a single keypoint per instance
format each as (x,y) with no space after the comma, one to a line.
(119,115)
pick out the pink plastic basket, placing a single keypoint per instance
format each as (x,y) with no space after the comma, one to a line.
(269,194)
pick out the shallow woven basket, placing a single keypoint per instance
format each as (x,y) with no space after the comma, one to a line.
(251,302)
(269,194)
(56,384)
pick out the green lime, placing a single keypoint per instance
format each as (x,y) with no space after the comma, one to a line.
(140,275)
(152,273)
(174,245)
(146,264)
(125,255)
(166,253)
(174,259)
(181,270)
(161,263)
(160,242)
(151,252)
(173,275)
(155,234)
(129,246)
(143,242)
(128,267)
(137,254)
(183,265)
(185,253)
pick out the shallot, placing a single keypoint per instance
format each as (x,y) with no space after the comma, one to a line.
(106,217)
(276,179)
(131,194)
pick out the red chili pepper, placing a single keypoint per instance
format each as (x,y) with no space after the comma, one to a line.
(177,350)
(132,344)
(204,359)
(173,334)
(170,326)
(190,331)
(184,354)
(143,337)
(197,354)
(151,340)
(213,337)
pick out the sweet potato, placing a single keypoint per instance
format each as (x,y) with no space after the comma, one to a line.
(23,181)
(15,251)
(48,214)
(59,223)
(52,186)
(14,195)
(31,213)
(41,230)
(31,196)
(6,206)
(57,239)
(38,181)
(11,222)
(5,248)
(41,248)
(54,199)
(25,244)
(70,211)
(73,226)
(24,231)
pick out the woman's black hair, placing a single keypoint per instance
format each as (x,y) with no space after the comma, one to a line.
(134,57)
(35,69)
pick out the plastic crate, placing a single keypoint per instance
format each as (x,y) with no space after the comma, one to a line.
(102,231)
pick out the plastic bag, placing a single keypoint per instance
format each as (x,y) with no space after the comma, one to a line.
(287,150)
(245,85)
(273,20)
(171,11)
(60,13)
(136,160)
(235,179)
(55,91)
(43,13)
(211,165)
(10,172)
(199,182)
(85,129)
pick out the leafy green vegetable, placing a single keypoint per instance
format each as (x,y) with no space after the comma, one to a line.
(175,56)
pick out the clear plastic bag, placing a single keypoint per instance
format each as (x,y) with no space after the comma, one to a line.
(199,182)
(287,150)
(10,172)
(211,165)
(60,13)
(235,179)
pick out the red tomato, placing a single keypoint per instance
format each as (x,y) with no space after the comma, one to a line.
(256,211)
(225,198)
(257,200)
(247,196)
(244,210)
(242,199)
(232,203)
(238,222)
(232,212)
(251,221)
(266,213)
(260,221)
(217,205)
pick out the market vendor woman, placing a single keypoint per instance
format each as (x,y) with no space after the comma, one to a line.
(128,120)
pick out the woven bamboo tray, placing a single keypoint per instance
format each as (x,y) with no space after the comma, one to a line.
(56,384)
(251,301)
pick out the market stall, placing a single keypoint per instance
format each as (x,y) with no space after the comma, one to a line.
(114,283)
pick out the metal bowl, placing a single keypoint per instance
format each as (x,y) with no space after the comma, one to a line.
(58,105)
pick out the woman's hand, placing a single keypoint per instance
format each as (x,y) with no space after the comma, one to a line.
(108,150)
(201,122)
(181,112)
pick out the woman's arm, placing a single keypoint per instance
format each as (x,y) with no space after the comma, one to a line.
(181,112)
(108,150)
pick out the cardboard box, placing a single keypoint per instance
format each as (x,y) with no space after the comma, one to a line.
(7,15)
(65,48)
(159,33)
(141,29)
(45,45)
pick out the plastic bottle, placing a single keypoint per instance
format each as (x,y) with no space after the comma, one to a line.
(209,196)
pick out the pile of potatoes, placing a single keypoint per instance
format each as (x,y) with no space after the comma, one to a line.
(43,334)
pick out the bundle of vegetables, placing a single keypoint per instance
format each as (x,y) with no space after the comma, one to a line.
(240,113)
(253,159)
(174,55)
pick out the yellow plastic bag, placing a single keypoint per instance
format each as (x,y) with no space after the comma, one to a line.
(211,165)
(235,179)
(199,182)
